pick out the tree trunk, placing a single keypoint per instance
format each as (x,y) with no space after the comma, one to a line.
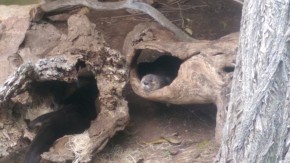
(258,115)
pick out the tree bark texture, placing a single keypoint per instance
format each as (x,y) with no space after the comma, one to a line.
(257,125)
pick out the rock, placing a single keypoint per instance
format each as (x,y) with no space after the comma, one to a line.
(174,151)
(15,11)
(39,41)
(15,60)
(14,24)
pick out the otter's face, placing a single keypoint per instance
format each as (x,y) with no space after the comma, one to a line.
(152,82)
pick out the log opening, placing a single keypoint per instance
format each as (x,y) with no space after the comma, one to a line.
(51,92)
(76,108)
(155,69)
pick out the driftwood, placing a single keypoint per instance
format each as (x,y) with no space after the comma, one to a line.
(203,77)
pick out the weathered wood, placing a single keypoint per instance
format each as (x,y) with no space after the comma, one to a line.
(83,42)
(201,77)
(257,127)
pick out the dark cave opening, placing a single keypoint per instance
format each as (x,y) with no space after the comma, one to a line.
(76,108)
(51,92)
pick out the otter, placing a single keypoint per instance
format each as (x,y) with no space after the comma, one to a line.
(74,116)
(151,82)
(159,73)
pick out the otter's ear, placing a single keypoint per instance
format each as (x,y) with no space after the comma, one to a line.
(80,65)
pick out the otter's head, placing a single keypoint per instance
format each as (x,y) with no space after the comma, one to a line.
(151,82)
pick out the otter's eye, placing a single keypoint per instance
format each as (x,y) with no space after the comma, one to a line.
(145,82)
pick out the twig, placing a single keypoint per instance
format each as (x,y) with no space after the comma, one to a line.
(58,6)
(172,3)
(123,16)
(184,9)
(179,1)
(177,20)
(181,16)
(142,19)
(187,7)
(184,1)
(168,6)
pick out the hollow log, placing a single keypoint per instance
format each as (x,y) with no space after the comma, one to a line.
(204,75)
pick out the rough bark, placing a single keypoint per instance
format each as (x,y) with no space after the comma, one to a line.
(257,127)
(201,77)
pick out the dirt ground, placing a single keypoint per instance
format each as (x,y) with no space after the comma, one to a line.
(162,133)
